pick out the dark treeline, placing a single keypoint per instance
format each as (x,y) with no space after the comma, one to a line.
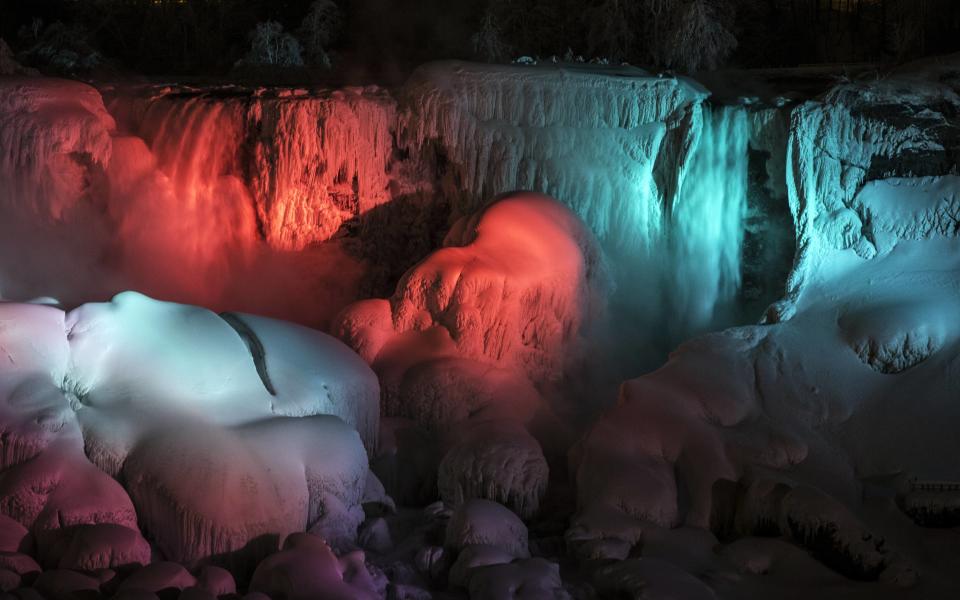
(384,37)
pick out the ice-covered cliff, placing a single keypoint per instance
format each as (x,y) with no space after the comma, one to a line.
(821,427)
(306,162)
(657,174)
(903,126)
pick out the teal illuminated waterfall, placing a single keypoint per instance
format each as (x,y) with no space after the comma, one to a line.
(707,219)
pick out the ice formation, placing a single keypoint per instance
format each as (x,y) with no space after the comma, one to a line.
(802,455)
(817,414)
(514,287)
(638,157)
(222,435)
(305,163)
(657,175)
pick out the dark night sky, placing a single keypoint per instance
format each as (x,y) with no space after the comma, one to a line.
(385,38)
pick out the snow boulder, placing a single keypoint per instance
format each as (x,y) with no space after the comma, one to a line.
(226,431)
(495,460)
(513,287)
(486,523)
(306,568)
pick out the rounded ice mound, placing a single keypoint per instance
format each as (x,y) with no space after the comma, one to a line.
(513,287)
(227,431)
(496,461)
(137,353)
(308,569)
(487,523)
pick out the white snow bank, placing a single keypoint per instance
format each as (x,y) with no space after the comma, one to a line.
(223,429)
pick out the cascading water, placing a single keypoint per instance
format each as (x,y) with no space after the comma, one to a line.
(207,189)
(706,221)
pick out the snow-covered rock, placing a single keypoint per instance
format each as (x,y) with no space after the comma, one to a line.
(486,523)
(495,460)
(514,287)
(222,429)
(307,568)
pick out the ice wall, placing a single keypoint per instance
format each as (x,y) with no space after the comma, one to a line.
(209,178)
(658,175)
(306,162)
(52,133)
(857,133)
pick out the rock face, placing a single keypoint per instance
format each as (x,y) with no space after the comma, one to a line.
(637,157)
(224,431)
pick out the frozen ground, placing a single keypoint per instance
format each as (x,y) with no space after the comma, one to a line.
(463,436)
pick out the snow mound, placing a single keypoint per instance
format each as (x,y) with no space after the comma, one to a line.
(649,578)
(224,430)
(132,352)
(486,523)
(528,579)
(496,461)
(306,568)
(513,287)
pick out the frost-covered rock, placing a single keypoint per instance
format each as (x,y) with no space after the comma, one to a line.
(487,523)
(55,135)
(528,579)
(222,429)
(307,568)
(495,460)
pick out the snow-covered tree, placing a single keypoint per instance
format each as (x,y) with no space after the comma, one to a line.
(700,40)
(319,29)
(488,43)
(270,45)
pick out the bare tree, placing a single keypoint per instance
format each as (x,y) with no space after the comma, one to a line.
(319,29)
(488,42)
(270,45)
(700,41)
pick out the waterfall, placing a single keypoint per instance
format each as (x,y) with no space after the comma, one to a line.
(707,220)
